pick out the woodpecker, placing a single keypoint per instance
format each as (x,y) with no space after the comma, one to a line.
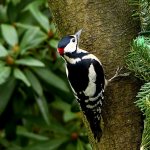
(87,79)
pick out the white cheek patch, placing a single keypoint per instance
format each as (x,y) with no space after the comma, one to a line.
(71,47)
(91,88)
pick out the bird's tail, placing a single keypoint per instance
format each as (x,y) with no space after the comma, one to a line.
(96,129)
(94,122)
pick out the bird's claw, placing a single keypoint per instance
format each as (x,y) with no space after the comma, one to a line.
(118,74)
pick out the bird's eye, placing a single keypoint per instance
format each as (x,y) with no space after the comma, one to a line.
(73,40)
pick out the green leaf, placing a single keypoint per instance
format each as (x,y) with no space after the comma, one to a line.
(53,43)
(52,79)
(28,37)
(16,1)
(10,34)
(5,143)
(41,19)
(23,132)
(88,147)
(43,106)
(12,12)
(32,38)
(25,26)
(58,128)
(4,73)
(66,108)
(3,15)
(53,144)
(34,82)
(3,51)
(6,91)
(52,27)
(71,146)
(2,63)
(75,106)
(18,74)
(80,145)
(29,61)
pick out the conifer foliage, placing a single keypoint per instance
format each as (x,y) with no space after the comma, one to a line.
(138,61)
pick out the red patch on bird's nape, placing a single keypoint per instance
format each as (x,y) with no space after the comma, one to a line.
(61,51)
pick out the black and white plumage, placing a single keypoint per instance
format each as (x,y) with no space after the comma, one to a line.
(87,79)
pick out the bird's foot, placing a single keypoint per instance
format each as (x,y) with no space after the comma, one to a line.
(118,74)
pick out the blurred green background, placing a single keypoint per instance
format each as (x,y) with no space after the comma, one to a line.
(37,108)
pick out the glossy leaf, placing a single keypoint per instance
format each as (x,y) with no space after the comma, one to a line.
(6,91)
(41,19)
(71,146)
(36,85)
(66,108)
(10,34)
(29,61)
(88,147)
(12,12)
(3,16)
(58,128)
(43,106)
(4,73)
(3,51)
(23,132)
(53,144)
(53,43)
(28,37)
(18,74)
(52,79)
(2,63)
(52,27)
(32,38)
(25,26)
(75,106)
(79,145)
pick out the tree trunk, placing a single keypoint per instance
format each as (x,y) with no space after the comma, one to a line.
(108,31)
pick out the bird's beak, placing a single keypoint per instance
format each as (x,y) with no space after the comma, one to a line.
(77,34)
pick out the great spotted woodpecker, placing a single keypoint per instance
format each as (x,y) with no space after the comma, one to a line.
(86,77)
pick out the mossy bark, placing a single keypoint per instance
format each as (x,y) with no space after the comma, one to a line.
(108,29)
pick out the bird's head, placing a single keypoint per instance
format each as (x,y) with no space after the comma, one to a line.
(69,43)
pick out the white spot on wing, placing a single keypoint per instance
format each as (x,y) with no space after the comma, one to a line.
(91,88)
(91,56)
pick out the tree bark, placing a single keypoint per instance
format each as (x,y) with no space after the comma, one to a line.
(108,31)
